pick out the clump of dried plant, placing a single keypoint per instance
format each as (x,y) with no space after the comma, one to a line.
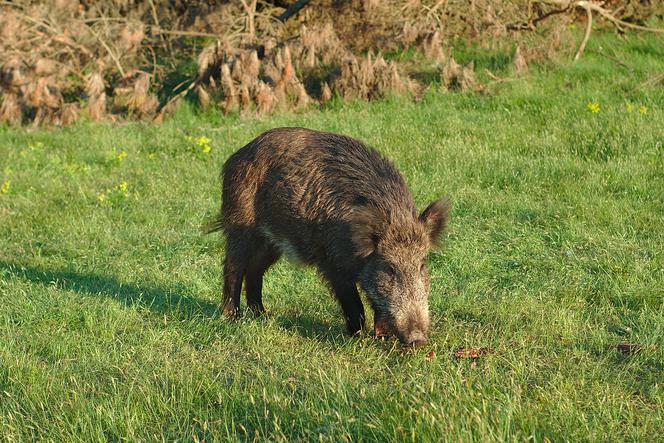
(62,59)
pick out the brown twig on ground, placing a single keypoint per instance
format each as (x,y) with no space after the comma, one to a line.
(652,81)
(614,59)
(497,79)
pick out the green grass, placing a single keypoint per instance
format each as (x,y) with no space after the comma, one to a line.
(109,320)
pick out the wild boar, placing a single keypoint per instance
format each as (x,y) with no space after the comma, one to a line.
(328,200)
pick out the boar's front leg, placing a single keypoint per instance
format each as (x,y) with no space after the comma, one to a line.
(346,292)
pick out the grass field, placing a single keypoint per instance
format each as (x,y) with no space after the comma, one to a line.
(109,320)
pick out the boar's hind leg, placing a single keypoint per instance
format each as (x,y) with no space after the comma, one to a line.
(235,265)
(349,299)
(263,255)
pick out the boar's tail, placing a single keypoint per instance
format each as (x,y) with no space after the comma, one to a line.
(214,225)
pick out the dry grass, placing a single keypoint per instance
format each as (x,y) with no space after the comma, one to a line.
(60,59)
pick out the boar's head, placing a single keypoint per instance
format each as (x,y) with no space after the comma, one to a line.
(395,276)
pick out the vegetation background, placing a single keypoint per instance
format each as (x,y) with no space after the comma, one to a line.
(546,298)
(137,59)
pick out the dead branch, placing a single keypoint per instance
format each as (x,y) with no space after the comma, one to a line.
(586,34)
(161,30)
(598,8)
(155,17)
(530,25)
(250,9)
(113,56)
(589,7)
(56,35)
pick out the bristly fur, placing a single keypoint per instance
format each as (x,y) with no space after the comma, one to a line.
(328,200)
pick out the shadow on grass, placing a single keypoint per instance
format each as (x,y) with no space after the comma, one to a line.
(313,328)
(170,301)
(156,299)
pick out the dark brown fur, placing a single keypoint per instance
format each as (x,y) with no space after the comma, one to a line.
(328,200)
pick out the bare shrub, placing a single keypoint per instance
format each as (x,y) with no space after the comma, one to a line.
(432,47)
(10,110)
(264,97)
(367,78)
(96,96)
(450,74)
(519,62)
(325,92)
(109,59)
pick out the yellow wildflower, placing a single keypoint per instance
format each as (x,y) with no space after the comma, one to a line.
(593,107)
(643,109)
(152,156)
(201,142)
(5,187)
(101,197)
(123,187)
(121,155)
(629,106)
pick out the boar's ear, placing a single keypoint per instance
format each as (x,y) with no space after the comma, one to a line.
(365,226)
(435,217)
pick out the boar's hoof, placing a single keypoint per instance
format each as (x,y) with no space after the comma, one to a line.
(231,312)
(258,310)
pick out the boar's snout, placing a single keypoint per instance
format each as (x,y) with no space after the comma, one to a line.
(415,339)
(413,327)
(413,335)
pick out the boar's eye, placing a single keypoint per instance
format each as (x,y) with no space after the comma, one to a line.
(391,271)
(423,268)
